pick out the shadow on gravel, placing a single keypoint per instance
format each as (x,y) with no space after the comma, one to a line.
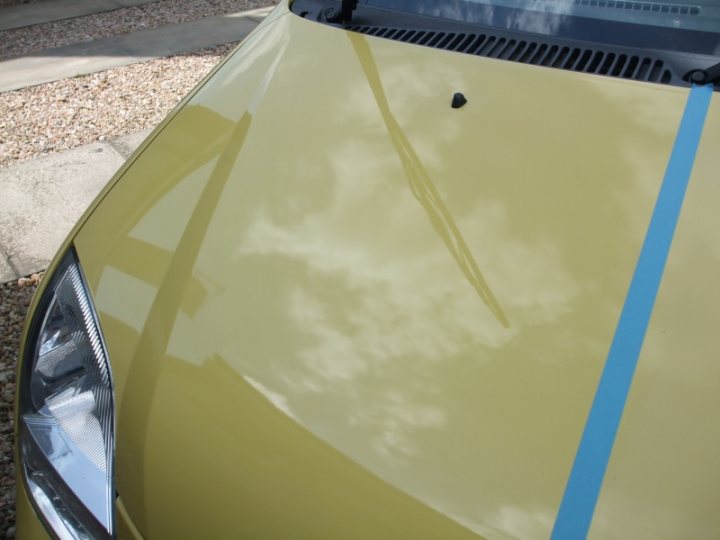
(8,3)
(14,302)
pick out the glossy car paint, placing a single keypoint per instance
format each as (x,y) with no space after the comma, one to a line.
(660,480)
(337,308)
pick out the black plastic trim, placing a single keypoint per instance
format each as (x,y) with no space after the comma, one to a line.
(632,63)
(614,62)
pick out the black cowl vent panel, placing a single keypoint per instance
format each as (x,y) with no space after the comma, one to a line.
(608,62)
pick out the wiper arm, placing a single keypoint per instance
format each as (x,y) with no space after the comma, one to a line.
(704,76)
(344,15)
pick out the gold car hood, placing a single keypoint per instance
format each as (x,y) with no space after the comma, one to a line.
(337,307)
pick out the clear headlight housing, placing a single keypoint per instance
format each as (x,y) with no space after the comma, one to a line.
(66,410)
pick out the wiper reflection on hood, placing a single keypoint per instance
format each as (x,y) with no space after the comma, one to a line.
(422,185)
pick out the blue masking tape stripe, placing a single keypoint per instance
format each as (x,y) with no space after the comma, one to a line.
(583,486)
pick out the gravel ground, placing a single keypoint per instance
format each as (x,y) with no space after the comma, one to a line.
(14,302)
(72,112)
(61,115)
(22,41)
(15,2)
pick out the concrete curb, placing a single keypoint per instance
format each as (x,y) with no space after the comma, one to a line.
(57,10)
(42,199)
(93,56)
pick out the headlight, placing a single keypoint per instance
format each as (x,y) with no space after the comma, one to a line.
(66,411)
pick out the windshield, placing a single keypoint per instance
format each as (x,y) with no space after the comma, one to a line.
(659,24)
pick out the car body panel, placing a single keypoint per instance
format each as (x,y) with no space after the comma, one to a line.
(662,479)
(124,527)
(338,308)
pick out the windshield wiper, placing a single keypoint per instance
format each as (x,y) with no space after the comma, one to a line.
(343,16)
(704,76)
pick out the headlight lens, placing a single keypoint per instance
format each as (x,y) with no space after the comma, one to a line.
(67,411)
